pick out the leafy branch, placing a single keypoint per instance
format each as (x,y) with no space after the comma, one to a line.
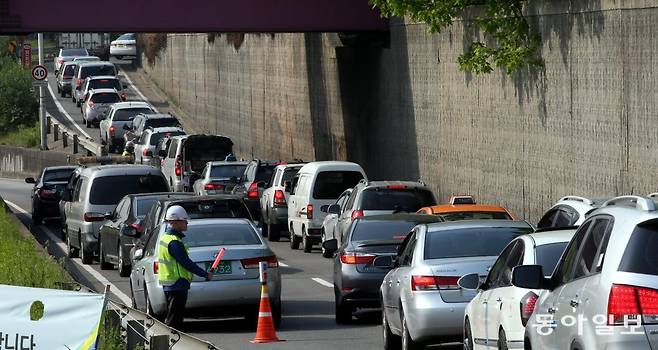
(514,45)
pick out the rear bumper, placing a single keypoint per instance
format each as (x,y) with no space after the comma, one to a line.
(254,208)
(429,317)
(123,51)
(361,289)
(279,215)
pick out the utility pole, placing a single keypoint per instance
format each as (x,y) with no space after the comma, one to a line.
(42,107)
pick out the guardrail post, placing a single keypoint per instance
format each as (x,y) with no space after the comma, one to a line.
(159,342)
(135,334)
(48,123)
(56,132)
(65,139)
(75,143)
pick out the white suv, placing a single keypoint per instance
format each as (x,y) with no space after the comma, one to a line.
(569,211)
(603,293)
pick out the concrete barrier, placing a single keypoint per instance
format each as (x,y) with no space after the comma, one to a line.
(17,162)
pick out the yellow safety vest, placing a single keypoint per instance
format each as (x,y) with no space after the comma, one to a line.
(169,270)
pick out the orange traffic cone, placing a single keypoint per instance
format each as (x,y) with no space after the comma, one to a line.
(265,331)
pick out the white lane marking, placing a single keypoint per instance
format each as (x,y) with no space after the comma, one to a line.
(63,111)
(323,282)
(139,93)
(58,242)
(283,264)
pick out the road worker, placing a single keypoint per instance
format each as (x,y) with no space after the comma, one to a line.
(129,150)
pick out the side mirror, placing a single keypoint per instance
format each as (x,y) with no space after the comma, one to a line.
(30,180)
(108,216)
(529,277)
(470,281)
(334,209)
(139,254)
(384,261)
(287,186)
(330,244)
(324,208)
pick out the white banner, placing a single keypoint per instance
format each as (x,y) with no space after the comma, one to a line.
(71,320)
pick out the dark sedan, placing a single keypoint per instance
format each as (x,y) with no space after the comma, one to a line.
(364,258)
(47,192)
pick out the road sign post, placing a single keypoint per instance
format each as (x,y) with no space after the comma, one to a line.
(26,57)
(40,73)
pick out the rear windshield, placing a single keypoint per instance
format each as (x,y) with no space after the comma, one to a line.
(381,230)
(475,215)
(221,234)
(264,173)
(89,58)
(407,200)
(288,174)
(68,70)
(74,52)
(227,171)
(161,122)
(159,135)
(126,114)
(469,242)
(93,71)
(215,209)
(143,205)
(127,36)
(641,255)
(548,255)
(109,190)
(105,97)
(330,184)
(58,175)
(105,84)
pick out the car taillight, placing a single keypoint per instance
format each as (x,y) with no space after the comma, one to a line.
(630,302)
(124,96)
(91,217)
(528,303)
(147,152)
(46,193)
(137,227)
(357,214)
(279,198)
(396,187)
(178,169)
(78,82)
(155,267)
(252,263)
(356,258)
(212,186)
(61,60)
(422,283)
(112,130)
(252,192)
(447,282)
(309,211)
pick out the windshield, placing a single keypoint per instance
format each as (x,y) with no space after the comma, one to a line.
(406,200)
(548,255)
(470,242)
(227,171)
(161,122)
(105,84)
(220,234)
(221,208)
(143,205)
(58,175)
(110,189)
(366,230)
(126,114)
(105,97)
(264,174)
(74,52)
(330,184)
(475,215)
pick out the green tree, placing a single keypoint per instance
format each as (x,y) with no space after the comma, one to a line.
(18,104)
(513,46)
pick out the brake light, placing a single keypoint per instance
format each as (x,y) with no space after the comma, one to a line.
(155,267)
(78,82)
(46,193)
(630,302)
(61,60)
(252,192)
(212,186)
(112,130)
(178,169)
(124,96)
(447,282)
(528,303)
(396,187)
(92,217)
(147,152)
(137,227)
(252,263)
(309,211)
(279,198)
(356,258)
(422,283)
(357,214)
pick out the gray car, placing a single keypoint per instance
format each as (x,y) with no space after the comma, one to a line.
(145,144)
(422,302)
(96,103)
(117,117)
(88,69)
(235,288)
(606,282)
(218,177)
(67,55)
(64,77)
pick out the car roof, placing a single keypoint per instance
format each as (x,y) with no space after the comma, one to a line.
(101,77)
(162,195)
(373,184)
(550,237)
(61,167)
(418,218)
(102,91)
(208,198)
(209,221)
(132,104)
(96,63)
(120,169)
(165,129)
(223,162)
(329,165)
(452,225)
(290,165)
(458,208)
(159,116)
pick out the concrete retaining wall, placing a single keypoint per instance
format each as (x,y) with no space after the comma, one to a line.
(585,124)
(17,162)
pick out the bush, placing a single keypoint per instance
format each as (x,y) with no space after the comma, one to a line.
(18,104)
(24,136)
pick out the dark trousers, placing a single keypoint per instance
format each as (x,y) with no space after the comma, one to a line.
(175,308)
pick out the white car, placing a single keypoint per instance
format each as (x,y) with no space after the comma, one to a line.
(125,45)
(145,145)
(569,211)
(496,317)
(66,55)
(274,200)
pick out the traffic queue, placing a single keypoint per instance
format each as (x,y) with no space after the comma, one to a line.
(584,277)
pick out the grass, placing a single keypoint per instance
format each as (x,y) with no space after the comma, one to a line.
(24,136)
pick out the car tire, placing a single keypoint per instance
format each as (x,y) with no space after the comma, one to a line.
(407,342)
(88,124)
(274,232)
(502,340)
(70,251)
(133,302)
(86,255)
(124,269)
(468,336)
(343,312)
(277,313)
(119,57)
(306,244)
(325,252)
(264,229)
(391,341)
(101,257)
(36,217)
(77,103)
(251,318)
(294,241)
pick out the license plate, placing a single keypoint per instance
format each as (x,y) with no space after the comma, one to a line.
(224,267)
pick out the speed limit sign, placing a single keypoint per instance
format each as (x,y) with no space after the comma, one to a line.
(39,73)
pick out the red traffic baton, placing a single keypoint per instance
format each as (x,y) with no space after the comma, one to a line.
(218,259)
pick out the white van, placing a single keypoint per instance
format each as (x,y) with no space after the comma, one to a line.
(317,184)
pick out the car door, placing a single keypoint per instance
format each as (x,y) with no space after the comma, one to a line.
(402,279)
(332,219)
(114,226)
(345,218)
(391,284)
(75,212)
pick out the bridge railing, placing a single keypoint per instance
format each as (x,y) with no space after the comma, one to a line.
(69,137)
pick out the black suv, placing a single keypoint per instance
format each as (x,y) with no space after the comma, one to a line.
(250,186)
(47,191)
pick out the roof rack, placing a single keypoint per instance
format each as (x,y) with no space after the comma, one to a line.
(103,160)
(639,202)
(577,199)
(653,195)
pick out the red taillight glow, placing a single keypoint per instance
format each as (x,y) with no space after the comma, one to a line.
(137,227)
(447,282)
(61,60)
(528,303)
(155,267)
(78,82)
(47,193)
(212,186)
(396,187)
(252,192)
(357,214)
(124,96)
(112,130)
(279,198)
(423,283)
(630,302)
(147,152)
(309,211)
(356,258)
(252,263)
(92,217)
(178,169)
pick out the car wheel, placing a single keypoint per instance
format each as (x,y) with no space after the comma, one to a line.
(36,217)
(274,232)
(104,264)
(86,255)
(70,251)
(263,228)
(294,241)
(276,314)
(391,341)
(343,312)
(407,342)
(502,340)
(325,252)
(251,318)
(306,243)
(124,269)
(468,337)
(77,103)
(87,123)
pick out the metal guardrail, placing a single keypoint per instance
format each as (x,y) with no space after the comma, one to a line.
(60,131)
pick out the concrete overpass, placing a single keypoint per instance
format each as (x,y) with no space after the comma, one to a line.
(25,16)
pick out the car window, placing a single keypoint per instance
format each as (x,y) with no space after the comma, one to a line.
(342,200)
(127,36)
(215,209)
(221,234)
(57,175)
(515,259)
(399,200)
(563,271)
(264,173)
(143,205)
(350,200)
(302,185)
(330,184)
(588,256)
(78,188)
(127,114)
(104,84)
(547,255)
(288,174)
(406,255)
(160,122)
(73,52)
(152,241)
(156,137)
(293,184)
(227,171)
(125,209)
(105,97)
(68,70)
(366,230)
(92,71)
(108,190)
(173,147)
(547,220)
(470,242)
(497,267)
(640,254)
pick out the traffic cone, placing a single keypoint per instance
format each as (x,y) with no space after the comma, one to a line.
(265,332)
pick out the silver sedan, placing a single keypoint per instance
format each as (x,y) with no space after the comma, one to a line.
(422,302)
(219,177)
(235,288)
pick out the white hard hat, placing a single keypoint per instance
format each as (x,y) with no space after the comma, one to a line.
(176,212)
